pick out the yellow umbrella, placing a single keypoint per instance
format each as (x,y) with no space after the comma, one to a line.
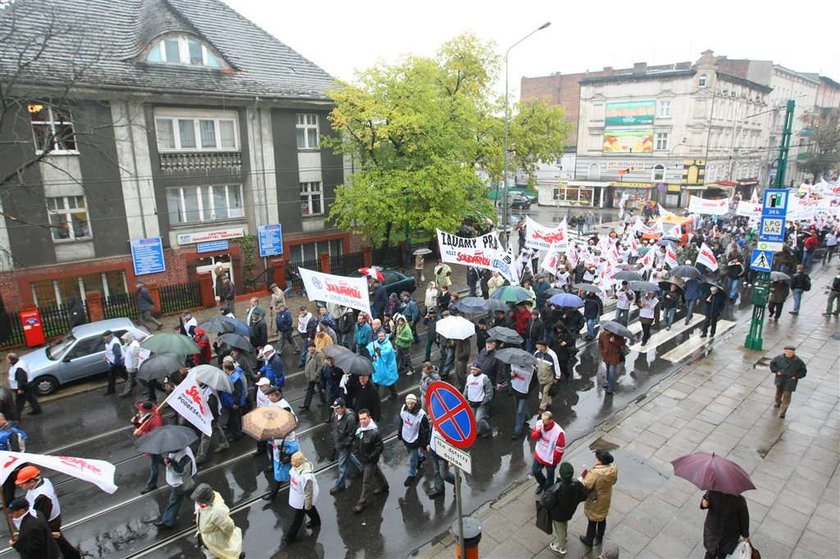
(268,422)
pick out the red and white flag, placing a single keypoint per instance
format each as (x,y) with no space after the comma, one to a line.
(754,198)
(671,257)
(572,256)
(190,403)
(707,258)
(97,472)
(647,260)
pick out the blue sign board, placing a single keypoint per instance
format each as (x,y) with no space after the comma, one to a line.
(147,256)
(451,414)
(762,260)
(771,229)
(775,202)
(212,246)
(271,239)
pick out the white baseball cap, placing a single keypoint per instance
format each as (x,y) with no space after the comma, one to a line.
(263,381)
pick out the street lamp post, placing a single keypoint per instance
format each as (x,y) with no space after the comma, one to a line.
(505,202)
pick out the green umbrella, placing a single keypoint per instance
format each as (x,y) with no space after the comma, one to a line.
(170,343)
(511,294)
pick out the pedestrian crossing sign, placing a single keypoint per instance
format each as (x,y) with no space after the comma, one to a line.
(761,260)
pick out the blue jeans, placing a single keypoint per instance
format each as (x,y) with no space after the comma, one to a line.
(807,257)
(733,287)
(345,457)
(670,314)
(170,513)
(612,371)
(590,326)
(797,299)
(521,415)
(481,422)
(544,480)
(689,313)
(622,316)
(414,461)
(442,473)
(154,471)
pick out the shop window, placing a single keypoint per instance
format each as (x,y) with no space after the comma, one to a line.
(199,204)
(68,218)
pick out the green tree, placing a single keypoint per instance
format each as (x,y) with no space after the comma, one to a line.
(824,146)
(418,133)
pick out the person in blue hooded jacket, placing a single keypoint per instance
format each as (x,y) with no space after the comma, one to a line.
(273,369)
(693,292)
(384,363)
(362,334)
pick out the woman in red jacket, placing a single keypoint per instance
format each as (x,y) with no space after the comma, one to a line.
(146,420)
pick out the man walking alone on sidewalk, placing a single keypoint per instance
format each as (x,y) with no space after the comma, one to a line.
(800,283)
(788,369)
(145,304)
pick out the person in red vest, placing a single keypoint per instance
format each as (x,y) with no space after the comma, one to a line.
(548,452)
(810,245)
(146,420)
(206,354)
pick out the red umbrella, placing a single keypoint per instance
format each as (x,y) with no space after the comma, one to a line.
(710,472)
(373,273)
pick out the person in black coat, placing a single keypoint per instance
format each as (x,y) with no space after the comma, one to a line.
(23,389)
(726,522)
(788,369)
(76,312)
(535,331)
(34,539)
(562,500)
(364,395)
(714,307)
(259,331)
(481,335)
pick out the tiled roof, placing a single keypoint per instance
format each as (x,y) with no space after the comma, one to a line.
(106,38)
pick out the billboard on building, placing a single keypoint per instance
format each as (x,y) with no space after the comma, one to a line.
(630,113)
(630,140)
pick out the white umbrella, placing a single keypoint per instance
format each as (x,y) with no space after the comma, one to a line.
(455,328)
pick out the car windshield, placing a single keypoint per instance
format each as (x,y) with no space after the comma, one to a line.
(58,347)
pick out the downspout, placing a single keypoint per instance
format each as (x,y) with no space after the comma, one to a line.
(136,174)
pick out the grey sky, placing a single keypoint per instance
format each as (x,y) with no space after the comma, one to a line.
(345,36)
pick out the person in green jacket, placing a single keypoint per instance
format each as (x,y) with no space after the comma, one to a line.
(404,339)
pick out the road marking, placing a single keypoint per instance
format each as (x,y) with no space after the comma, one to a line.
(695,342)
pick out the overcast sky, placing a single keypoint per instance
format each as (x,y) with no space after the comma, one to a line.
(342,36)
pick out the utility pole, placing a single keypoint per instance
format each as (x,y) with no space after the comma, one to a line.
(761,289)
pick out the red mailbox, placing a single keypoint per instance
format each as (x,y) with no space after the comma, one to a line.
(33,328)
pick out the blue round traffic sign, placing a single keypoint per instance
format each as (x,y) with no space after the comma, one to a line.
(451,414)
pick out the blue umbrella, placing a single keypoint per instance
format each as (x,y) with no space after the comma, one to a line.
(472,305)
(239,327)
(568,300)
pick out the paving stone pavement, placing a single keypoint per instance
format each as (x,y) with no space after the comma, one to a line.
(721,402)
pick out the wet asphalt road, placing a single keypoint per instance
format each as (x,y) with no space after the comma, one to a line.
(119,525)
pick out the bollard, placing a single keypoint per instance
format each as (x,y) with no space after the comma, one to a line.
(472,535)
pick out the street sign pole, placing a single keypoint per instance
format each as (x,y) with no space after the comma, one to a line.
(460,512)
(761,288)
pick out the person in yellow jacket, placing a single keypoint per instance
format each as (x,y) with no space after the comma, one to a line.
(599,482)
(218,534)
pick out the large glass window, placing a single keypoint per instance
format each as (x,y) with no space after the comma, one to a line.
(307,131)
(59,291)
(68,218)
(198,204)
(196,134)
(52,128)
(311,198)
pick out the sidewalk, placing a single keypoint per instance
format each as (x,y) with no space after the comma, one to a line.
(718,403)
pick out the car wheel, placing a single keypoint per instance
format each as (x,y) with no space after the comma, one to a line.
(45,385)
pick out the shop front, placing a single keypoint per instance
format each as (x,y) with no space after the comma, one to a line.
(587,194)
(634,193)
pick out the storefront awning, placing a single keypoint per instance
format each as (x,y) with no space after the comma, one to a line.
(631,185)
(589,184)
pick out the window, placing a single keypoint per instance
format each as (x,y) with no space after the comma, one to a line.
(196,134)
(664,109)
(702,80)
(68,218)
(594,172)
(307,131)
(197,204)
(661,141)
(658,173)
(310,251)
(183,50)
(311,198)
(59,291)
(52,128)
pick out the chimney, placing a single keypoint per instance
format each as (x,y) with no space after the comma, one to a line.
(640,68)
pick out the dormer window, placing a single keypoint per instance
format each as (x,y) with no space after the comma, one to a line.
(183,50)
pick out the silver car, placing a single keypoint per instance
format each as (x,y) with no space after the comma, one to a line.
(78,355)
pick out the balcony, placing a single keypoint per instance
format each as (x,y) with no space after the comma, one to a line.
(198,161)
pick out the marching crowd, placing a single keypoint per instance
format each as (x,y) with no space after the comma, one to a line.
(523,341)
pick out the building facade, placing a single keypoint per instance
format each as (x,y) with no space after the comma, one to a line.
(176,120)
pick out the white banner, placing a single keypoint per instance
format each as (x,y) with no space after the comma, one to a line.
(654,229)
(749,209)
(540,237)
(340,290)
(97,472)
(697,205)
(188,401)
(482,252)
(707,258)
(671,257)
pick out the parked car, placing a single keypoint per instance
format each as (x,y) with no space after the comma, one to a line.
(520,202)
(78,355)
(395,281)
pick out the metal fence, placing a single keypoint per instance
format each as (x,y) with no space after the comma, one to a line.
(178,297)
(293,276)
(343,264)
(11,330)
(121,305)
(55,318)
(387,256)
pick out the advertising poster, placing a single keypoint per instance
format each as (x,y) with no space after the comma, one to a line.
(630,140)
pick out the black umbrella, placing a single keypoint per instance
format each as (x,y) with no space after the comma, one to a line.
(237,341)
(348,361)
(217,325)
(665,285)
(494,305)
(627,275)
(169,438)
(472,305)
(157,367)
(710,284)
(515,356)
(684,271)
(553,291)
(618,329)
(587,288)
(504,335)
(646,286)
(779,276)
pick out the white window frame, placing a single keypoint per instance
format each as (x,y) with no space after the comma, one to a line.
(184,52)
(309,191)
(205,215)
(308,124)
(196,123)
(653,173)
(51,122)
(664,109)
(660,141)
(67,212)
(702,80)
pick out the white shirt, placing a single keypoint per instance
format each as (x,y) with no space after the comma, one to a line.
(303,321)
(411,424)
(173,478)
(522,378)
(45,488)
(297,488)
(109,349)
(19,365)
(648,306)
(475,387)
(130,355)
(547,442)
(624,299)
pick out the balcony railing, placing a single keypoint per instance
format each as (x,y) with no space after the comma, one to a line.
(185,161)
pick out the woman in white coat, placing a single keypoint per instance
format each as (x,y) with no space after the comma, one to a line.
(303,492)
(219,535)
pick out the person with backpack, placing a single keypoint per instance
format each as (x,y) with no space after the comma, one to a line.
(562,500)
(800,283)
(833,295)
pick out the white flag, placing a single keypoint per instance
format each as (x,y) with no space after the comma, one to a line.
(707,258)
(190,403)
(97,472)
(671,257)
(647,260)
(340,290)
